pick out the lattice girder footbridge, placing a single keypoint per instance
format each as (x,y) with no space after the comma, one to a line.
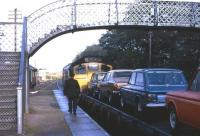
(65,16)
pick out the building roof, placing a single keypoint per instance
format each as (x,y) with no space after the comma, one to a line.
(32,68)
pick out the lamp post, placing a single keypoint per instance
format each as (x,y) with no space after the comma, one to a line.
(150,49)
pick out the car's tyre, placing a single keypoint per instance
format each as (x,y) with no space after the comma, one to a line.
(88,93)
(110,99)
(139,107)
(100,97)
(122,104)
(94,94)
(173,119)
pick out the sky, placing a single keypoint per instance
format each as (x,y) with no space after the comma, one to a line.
(60,51)
(57,53)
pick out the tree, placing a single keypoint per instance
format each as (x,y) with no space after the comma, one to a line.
(170,48)
(92,51)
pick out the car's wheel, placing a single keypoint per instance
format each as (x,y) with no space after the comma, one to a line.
(110,99)
(173,120)
(122,104)
(100,96)
(139,110)
(139,107)
(88,93)
(94,94)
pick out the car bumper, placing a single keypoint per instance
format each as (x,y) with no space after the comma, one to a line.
(152,105)
(116,92)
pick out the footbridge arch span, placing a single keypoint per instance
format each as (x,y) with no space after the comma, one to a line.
(65,16)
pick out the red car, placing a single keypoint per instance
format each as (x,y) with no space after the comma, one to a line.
(184,106)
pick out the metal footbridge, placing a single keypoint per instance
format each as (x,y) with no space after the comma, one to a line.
(65,16)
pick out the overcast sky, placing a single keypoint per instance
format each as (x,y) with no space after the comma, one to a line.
(59,52)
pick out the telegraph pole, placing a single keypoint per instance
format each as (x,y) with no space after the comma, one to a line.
(15,15)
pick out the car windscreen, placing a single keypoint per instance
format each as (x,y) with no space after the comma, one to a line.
(165,78)
(196,83)
(101,76)
(122,77)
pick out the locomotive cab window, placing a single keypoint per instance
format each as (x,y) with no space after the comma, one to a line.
(81,69)
(105,68)
(94,67)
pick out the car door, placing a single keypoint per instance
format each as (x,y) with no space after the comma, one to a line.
(128,92)
(108,84)
(90,83)
(103,84)
(138,88)
(191,104)
(94,82)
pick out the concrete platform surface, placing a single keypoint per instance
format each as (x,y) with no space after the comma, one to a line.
(45,117)
(80,124)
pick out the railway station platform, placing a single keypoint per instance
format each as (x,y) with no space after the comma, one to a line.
(80,124)
(49,117)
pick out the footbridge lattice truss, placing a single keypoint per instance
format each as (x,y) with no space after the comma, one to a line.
(65,16)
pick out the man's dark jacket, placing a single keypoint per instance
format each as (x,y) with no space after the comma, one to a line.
(71,88)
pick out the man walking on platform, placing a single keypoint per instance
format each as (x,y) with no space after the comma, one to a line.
(72,91)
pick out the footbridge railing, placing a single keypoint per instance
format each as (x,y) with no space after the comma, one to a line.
(65,16)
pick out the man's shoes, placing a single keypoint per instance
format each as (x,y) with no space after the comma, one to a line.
(74,113)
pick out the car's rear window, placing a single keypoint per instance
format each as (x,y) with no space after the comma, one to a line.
(122,77)
(165,77)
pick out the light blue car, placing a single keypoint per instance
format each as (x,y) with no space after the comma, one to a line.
(147,88)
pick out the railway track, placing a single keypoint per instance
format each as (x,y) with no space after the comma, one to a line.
(118,122)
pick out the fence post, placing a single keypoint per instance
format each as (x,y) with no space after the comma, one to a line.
(117,11)
(19,110)
(193,18)
(155,13)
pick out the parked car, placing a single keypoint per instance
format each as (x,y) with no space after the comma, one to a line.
(184,107)
(147,88)
(93,85)
(112,82)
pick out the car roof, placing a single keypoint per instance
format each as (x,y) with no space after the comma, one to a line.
(96,73)
(157,69)
(121,70)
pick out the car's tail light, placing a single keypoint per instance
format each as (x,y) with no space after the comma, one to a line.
(117,87)
(151,97)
